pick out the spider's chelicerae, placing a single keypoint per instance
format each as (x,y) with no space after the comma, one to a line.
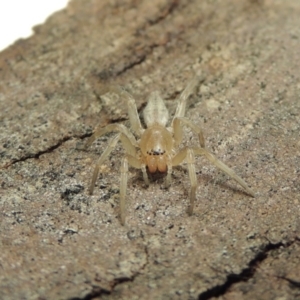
(155,148)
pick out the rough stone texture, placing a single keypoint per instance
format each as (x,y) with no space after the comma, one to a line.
(57,242)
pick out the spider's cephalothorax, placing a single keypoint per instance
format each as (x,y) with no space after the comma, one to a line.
(155,147)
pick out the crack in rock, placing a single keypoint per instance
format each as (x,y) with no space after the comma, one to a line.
(166,12)
(98,291)
(48,150)
(246,274)
(293,283)
(117,69)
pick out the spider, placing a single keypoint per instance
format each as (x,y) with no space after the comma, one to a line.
(154,150)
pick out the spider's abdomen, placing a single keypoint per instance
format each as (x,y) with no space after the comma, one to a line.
(156,146)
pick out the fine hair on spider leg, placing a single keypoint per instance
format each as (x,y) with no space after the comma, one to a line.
(154,149)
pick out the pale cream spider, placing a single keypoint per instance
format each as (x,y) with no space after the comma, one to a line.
(155,149)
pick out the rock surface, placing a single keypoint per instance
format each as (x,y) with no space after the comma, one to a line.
(58,242)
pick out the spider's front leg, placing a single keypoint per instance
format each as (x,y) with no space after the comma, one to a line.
(190,160)
(110,147)
(169,173)
(136,163)
(126,137)
(129,143)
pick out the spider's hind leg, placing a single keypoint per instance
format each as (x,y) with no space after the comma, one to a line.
(224,168)
(177,128)
(189,156)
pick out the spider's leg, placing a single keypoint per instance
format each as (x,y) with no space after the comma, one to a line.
(177,129)
(188,154)
(136,163)
(132,112)
(169,173)
(123,188)
(111,145)
(145,176)
(127,145)
(190,159)
(180,111)
(132,159)
(110,128)
(224,168)
(129,157)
